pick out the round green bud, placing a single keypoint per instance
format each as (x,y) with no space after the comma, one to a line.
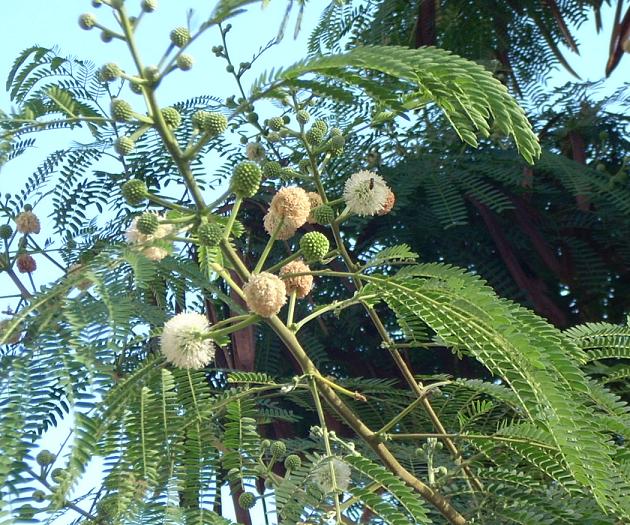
(265,443)
(247,500)
(246,179)
(286,119)
(180,36)
(5,231)
(106,37)
(148,223)
(136,88)
(335,145)
(278,448)
(45,458)
(321,125)
(149,5)
(323,214)
(315,135)
(210,234)
(26,512)
(304,166)
(601,167)
(87,21)
(336,132)
(57,474)
(243,139)
(124,145)
(273,136)
(287,174)
(121,110)
(97,3)
(293,462)
(303,116)
(185,62)
(276,123)
(198,119)
(252,117)
(109,72)
(28,207)
(314,246)
(39,495)
(134,192)
(172,117)
(151,73)
(229,68)
(215,123)
(271,169)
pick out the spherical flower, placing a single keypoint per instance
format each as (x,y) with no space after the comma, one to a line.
(271,169)
(265,294)
(134,192)
(149,5)
(45,458)
(87,21)
(185,62)
(365,193)
(322,476)
(323,214)
(121,110)
(27,222)
(124,145)
(110,72)
(148,223)
(155,253)
(271,221)
(25,263)
(293,462)
(180,36)
(246,178)
(300,284)
(314,246)
(215,123)
(291,203)
(302,116)
(315,201)
(183,342)
(172,117)
(5,231)
(389,203)
(210,233)
(247,500)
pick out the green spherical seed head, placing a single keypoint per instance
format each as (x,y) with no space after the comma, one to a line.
(246,179)
(5,231)
(303,116)
(293,462)
(321,125)
(276,123)
(39,495)
(315,136)
(180,36)
(336,144)
(271,169)
(172,117)
(210,234)
(134,192)
(87,21)
(149,5)
(124,145)
(314,246)
(148,223)
(121,110)
(278,448)
(45,458)
(215,123)
(57,474)
(247,500)
(198,119)
(185,62)
(323,214)
(109,72)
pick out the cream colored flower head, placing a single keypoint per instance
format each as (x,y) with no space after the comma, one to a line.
(134,236)
(323,478)
(389,203)
(271,220)
(155,253)
(315,201)
(291,203)
(183,342)
(254,151)
(265,294)
(365,193)
(301,284)
(27,222)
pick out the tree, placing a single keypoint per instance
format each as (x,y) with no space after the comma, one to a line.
(216,361)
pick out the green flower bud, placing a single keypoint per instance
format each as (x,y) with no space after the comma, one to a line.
(124,145)
(286,119)
(39,495)
(121,110)
(106,37)
(109,72)
(276,123)
(210,234)
(149,5)
(323,214)
(45,458)
(97,3)
(246,179)
(26,512)
(336,132)
(303,116)
(335,145)
(57,475)
(287,174)
(148,223)
(151,73)
(6,231)
(265,443)
(215,123)
(304,166)
(136,88)
(185,62)
(321,125)
(278,448)
(180,36)
(172,117)
(87,21)
(247,500)
(316,134)
(271,169)
(293,462)
(134,192)
(273,136)
(314,246)
(252,117)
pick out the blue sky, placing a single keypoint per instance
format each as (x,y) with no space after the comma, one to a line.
(54,23)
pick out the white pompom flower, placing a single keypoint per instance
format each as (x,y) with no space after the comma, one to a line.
(184,341)
(365,193)
(322,475)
